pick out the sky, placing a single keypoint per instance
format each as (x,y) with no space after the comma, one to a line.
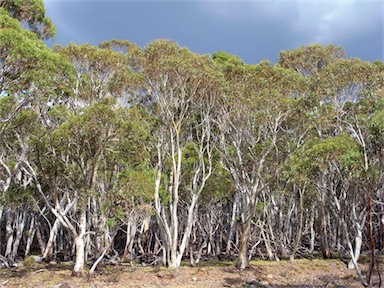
(251,29)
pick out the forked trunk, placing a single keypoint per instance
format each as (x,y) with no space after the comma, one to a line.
(358,243)
(173,261)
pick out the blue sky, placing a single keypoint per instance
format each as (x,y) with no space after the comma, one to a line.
(253,30)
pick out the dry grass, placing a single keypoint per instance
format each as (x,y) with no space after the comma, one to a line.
(300,273)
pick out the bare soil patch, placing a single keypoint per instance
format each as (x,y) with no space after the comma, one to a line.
(301,273)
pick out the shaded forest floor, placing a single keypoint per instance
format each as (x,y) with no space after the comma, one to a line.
(301,273)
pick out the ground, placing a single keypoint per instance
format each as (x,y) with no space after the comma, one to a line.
(300,273)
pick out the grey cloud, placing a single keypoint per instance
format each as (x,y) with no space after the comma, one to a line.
(337,22)
(252,30)
(332,21)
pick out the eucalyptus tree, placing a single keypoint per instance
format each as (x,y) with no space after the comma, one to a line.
(31,14)
(81,167)
(98,73)
(126,183)
(376,137)
(182,87)
(82,177)
(341,100)
(82,129)
(334,167)
(17,199)
(347,86)
(25,62)
(311,59)
(363,123)
(256,106)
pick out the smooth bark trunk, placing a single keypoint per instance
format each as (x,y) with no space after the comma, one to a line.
(358,243)
(19,227)
(231,229)
(299,231)
(48,252)
(78,269)
(8,232)
(242,259)
(31,236)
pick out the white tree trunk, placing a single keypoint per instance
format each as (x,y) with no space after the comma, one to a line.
(1,211)
(31,235)
(78,269)
(187,230)
(242,259)
(129,240)
(52,235)
(80,256)
(19,227)
(9,231)
(312,229)
(358,239)
(231,228)
(356,254)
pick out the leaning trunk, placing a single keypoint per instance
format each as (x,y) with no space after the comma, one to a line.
(31,235)
(48,252)
(358,243)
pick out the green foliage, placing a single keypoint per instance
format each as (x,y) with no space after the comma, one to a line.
(164,57)
(25,122)
(317,156)
(100,73)
(376,130)
(113,221)
(341,76)
(7,105)
(59,114)
(224,58)
(32,14)
(309,60)
(137,183)
(259,207)
(133,194)
(187,75)
(219,186)
(17,196)
(379,65)
(30,260)
(27,59)
(136,138)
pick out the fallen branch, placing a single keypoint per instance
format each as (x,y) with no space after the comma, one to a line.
(93,268)
(5,261)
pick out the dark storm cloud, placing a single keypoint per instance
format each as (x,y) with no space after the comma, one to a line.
(252,30)
(356,25)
